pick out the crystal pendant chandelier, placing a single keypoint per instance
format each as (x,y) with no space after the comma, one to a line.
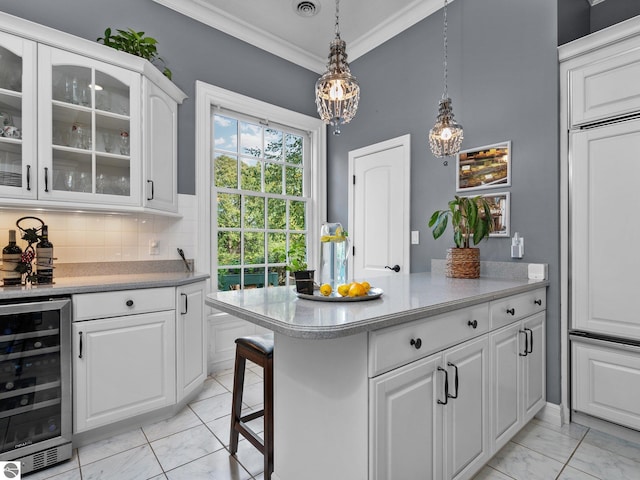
(445,138)
(337,91)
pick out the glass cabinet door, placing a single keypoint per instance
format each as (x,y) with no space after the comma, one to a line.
(17,117)
(90,129)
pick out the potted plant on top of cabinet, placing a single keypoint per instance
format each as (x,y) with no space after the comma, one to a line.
(297,264)
(471,220)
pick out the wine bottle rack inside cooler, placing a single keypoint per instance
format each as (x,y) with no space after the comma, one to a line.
(35,387)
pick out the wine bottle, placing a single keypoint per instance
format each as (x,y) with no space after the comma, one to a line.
(44,257)
(11,255)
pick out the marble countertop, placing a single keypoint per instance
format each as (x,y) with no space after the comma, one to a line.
(405,298)
(102,283)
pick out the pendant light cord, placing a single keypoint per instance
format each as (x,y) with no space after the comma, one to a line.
(337,18)
(445,95)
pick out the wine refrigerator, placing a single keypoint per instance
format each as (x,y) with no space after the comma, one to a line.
(35,382)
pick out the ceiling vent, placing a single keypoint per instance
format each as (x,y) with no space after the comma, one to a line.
(306,8)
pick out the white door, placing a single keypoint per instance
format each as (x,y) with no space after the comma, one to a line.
(379,207)
(406,421)
(466,422)
(604,164)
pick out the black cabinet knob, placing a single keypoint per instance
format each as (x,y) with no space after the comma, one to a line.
(416,343)
(511,311)
(129,303)
(538,302)
(473,324)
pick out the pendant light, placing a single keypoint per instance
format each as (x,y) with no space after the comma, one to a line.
(445,138)
(337,91)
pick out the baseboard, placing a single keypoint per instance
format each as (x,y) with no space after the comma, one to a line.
(614,429)
(551,413)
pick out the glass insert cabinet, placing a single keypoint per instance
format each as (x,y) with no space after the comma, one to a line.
(83,125)
(87,143)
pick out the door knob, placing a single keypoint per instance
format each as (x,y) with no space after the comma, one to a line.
(395,268)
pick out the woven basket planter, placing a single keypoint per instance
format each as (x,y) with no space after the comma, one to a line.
(463,263)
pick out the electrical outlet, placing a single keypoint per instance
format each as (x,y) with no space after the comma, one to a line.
(154,247)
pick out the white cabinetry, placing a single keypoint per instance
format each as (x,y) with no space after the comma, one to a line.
(136,351)
(105,124)
(191,339)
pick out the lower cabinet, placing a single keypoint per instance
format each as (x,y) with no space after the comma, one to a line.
(517,377)
(430,417)
(443,415)
(136,351)
(123,366)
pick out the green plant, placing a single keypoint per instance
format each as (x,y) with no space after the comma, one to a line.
(135,43)
(297,258)
(470,218)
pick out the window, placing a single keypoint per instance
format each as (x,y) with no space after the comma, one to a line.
(265,181)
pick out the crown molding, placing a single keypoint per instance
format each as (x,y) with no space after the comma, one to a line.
(220,20)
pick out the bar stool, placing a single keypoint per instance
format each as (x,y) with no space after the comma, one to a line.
(259,350)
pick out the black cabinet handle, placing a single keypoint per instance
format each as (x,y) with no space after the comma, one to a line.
(416,343)
(80,354)
(526,342)
(152,194)
(455,380)
(538,302)
(511,311)
(129,303)
(446,386)
(530,338)
(29,177)
(46,179)
(473,324)
(395,268)
(186,304)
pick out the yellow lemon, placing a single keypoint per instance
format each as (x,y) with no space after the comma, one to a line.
(344,289)
(366,286)
(356,290)
(325,289)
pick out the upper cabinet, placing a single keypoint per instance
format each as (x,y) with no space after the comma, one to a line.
(102,134)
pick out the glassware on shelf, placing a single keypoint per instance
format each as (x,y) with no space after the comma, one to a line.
(103,100)
(124,142)
(107,139)
(80,136)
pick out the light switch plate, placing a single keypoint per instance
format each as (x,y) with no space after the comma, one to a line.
(415,237)
(154,247)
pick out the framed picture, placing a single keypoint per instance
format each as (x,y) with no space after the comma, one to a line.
(500,204)
(484,167)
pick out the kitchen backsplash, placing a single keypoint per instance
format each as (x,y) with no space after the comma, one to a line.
(103,237)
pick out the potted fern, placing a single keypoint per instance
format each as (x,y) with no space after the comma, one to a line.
(471,221)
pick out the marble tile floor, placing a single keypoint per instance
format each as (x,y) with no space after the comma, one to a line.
(193,445)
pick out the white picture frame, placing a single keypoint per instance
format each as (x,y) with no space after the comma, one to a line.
(484,167)
(500,203)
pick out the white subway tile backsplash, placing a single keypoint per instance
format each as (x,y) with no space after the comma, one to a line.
(98,237)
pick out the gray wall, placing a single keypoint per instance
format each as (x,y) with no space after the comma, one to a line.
(574,20)
(192,50)
(611,12)
(503,79)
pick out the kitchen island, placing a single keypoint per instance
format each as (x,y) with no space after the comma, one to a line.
(365,390)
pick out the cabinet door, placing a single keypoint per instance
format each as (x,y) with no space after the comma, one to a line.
(89,130)
(191,339)
(506,344)
(123,367)
(17,117)
(604,285)
(160,149)
(406,422)
(466,423)
(533,364)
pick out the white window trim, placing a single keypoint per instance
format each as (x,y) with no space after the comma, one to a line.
(208,96)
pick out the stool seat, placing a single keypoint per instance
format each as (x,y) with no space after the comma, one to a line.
(259,350)
(263,344)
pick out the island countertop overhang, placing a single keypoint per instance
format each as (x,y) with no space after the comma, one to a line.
(406,298)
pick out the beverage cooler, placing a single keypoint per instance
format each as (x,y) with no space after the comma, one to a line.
(35,382)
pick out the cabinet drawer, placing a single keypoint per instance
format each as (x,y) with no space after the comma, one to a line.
(513,308)
(88,306)
(391,347)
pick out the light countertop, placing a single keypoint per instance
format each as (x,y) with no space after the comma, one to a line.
(101,283)
(406,297)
